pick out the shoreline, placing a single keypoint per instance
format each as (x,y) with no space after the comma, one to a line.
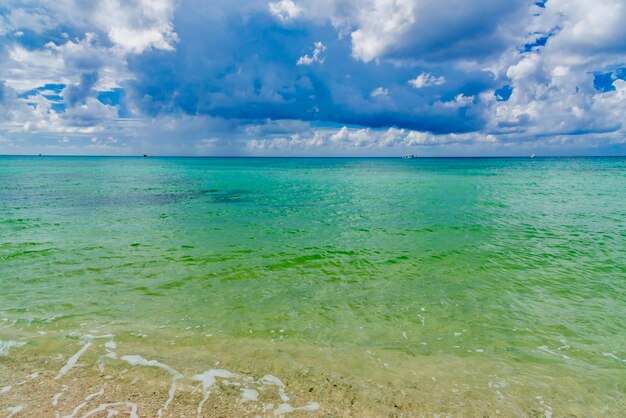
(76,376)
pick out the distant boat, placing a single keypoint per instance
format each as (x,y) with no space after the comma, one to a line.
(144,156)
(409,157)
(532,155)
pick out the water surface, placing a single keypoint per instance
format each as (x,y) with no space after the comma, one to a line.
(378,286)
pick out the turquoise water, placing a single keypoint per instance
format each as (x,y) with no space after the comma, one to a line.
(514,266)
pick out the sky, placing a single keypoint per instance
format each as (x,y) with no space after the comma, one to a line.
(313,77)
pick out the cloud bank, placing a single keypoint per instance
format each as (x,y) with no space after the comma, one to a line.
(303,77)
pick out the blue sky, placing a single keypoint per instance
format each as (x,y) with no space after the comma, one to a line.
(304,77)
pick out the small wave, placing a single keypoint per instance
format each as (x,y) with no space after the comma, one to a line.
(285,408)
(250,390)
(107,406)
(207,380)
(16,409)
(72,361)
(614,357)
(135,360)
(5,346)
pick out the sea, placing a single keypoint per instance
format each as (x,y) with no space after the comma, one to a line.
(330,287)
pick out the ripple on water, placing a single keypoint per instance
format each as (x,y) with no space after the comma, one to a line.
(5,346)
(339,253)
(250,389)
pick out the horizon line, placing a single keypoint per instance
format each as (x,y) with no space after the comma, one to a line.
(416,157)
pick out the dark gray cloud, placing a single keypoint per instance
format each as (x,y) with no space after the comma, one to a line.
(77,93)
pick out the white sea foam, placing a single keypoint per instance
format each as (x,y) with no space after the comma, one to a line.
(93,395)
(28,379)
(135,360)
(72,361)
(249,387)
(16,409)
(547,350)
(106,406)
(249,395)
(5,389)
(92,337)
(285,408)
(110,347)
(269,379)
(12,323)
(82,404)
(311,406)
(614,357)
(55,398)
(5,346)
(208,379)
(76,410)
(502,384)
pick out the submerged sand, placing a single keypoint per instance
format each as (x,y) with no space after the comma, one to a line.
(104,376)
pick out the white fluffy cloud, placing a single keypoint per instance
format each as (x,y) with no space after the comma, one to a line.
(362,141)
(382,57)
(26,69)
(553,92)
(111,29)
(285,10)
(379,91)
(316,56)
(38,116)
(36,20)
(94,60)
(380,25)
(137,26)
(552,85)
(420,29)
(427,79)
(132,25)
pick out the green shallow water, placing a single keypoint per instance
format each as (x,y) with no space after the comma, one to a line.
(516,264)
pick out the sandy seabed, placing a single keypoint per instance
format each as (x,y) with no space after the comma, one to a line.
(99,376)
